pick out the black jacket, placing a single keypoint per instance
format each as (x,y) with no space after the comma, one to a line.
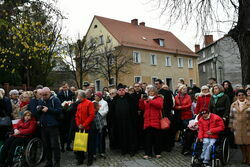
(222,107)
(168,102)
(5,107)
(50,118)
(61,95)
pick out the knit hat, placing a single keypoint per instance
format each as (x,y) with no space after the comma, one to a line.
(99,94)
(204,87)
(120,86)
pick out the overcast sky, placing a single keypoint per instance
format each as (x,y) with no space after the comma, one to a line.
(81,12)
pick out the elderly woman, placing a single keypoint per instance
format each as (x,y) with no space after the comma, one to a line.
(219,102)
(239,123)
(23,130)
(203,99)
(15,102)
(25,100)
(152,107)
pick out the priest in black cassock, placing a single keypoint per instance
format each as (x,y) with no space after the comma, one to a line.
(124,120)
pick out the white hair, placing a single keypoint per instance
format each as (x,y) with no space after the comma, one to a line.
(2,91)
(13,92)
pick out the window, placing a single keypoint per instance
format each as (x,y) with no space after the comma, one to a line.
(203,54)
(95,26)
(203,68)
(97,85)
(169,83)
(168,61)
(153,59)
(161,42)
(137,57)
(180,62)
(212,49)
(190,63)
(101,40)
(154,78)
(112,81)
(191,82)
(108,39)
(138,79)
(111,59)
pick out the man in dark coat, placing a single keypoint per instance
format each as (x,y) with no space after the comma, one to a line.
(49,110)
(124,117)
(34,102)
(167,135)
(65,95)
(139,117)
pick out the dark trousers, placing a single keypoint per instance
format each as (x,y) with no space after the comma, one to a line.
(91,147)
(72,130)
(8,149)
(104,134)
(50,137)
(189,138)
(152,141)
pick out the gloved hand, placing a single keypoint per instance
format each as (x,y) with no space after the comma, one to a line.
(16,132)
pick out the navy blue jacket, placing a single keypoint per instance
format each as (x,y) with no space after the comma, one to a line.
(5,107)
(50,118)
(32,107)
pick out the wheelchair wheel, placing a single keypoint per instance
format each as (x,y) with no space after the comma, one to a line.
(225,151)
(17,164)
(216,162)
(34,152)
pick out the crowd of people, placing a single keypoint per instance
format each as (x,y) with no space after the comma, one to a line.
(130,117)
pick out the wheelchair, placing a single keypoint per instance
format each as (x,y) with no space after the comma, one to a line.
(220,152)
(29,155)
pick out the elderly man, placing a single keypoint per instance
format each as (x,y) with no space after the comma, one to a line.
(49,109)
(85,115)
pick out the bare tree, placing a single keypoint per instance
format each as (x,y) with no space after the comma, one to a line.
(113,62)
(209,15)
(81,57)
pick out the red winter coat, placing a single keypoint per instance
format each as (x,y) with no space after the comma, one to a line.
(202,102)
(85,114)
(26,129)
(185,104)
(214,124)
(152,111)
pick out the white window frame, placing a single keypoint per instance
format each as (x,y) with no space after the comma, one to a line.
(180,65)
(190,82)
(138,57)
(96,85)
(212,49)
(190,65)
(168,64)
(170,87)
(203,68)
(101,39)
(161,42)
(151,59)
(203,54)
(137,77)
(153,78)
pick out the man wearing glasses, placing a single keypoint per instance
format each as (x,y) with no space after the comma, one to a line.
(49,110)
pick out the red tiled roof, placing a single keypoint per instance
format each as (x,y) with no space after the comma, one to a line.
(139,36)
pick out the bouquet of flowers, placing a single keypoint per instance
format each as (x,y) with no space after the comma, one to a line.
(66,104)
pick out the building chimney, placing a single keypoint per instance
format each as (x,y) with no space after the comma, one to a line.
(134,22)
(208,39)
(142,24)
(197,48)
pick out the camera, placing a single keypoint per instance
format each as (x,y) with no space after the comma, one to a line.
(39,107)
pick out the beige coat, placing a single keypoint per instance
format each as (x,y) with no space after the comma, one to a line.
(15,109)
(240,122)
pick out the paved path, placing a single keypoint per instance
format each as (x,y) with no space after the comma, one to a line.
(172,159)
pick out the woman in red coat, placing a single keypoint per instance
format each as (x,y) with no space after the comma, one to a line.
(203,99)
(183,105)
(152,107)
(23,130)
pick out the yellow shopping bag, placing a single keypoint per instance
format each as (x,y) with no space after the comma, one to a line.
(81,142)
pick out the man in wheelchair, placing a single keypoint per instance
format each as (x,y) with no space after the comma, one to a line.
(210,125)
(23,131)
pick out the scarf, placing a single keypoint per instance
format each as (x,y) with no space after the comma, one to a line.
(23,104)
(241,104)
(216,97)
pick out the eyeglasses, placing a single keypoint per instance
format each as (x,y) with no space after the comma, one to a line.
(241,95)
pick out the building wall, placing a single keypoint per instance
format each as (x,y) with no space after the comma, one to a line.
(224,55)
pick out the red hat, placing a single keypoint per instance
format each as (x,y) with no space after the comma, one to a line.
(99,94)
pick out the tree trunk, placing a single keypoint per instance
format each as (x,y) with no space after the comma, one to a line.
(241,35)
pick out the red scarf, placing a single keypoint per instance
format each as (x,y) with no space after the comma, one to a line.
(24,104)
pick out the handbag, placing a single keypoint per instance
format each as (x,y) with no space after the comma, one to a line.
(81,141)
(5,121)
(165,122)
